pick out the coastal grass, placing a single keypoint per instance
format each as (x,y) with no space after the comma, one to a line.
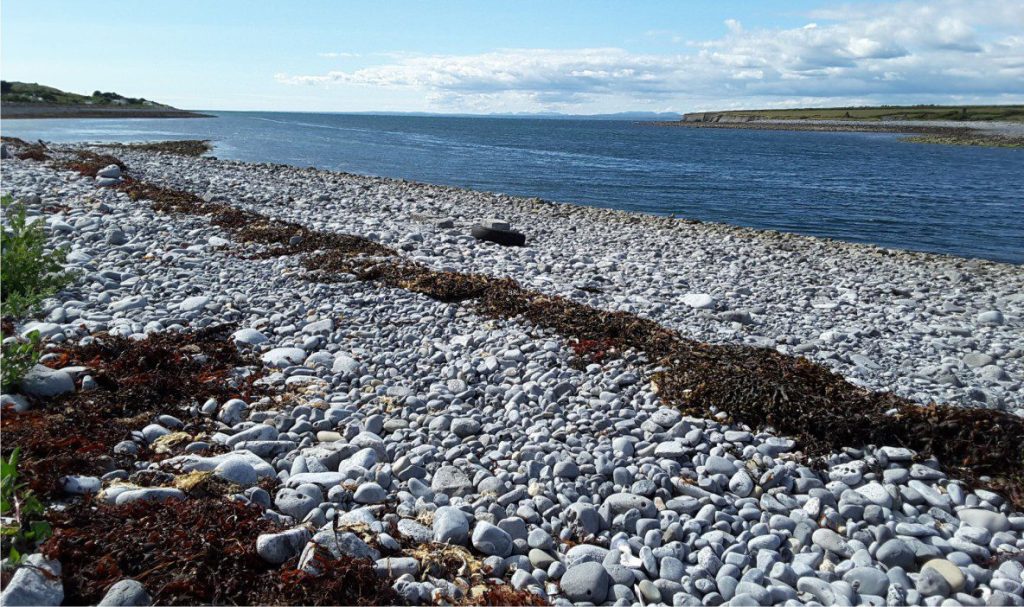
(759,387)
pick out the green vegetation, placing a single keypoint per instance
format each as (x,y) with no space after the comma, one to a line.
(1013,113)
(22,527)
(28,273)
(19,356)
(25,92)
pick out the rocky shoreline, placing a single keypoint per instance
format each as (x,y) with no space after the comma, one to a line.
(394,427)
(24,111)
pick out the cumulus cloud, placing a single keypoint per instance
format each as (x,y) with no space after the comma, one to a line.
(936,52)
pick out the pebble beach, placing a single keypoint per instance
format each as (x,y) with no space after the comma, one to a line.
(411,424)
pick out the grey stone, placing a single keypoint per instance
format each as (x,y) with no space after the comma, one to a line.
(833,542)
(149,494)
(370,493)
(193,304)
(250,337)
(464,427)
(986,519)
(451,481)
(45,382)
(126,593)
(491,540)
(618,503)
(36,582)
(867,580)
(586,582)
(931,583)
(277,548)
(237,471)
(395,567)
(896,553)
(283,357)
(450,526)
(293,503)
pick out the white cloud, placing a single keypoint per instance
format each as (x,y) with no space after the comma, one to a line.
(904,51)
(341,55)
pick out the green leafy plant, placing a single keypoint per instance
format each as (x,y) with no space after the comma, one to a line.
(18,358)
(21,524)
(30,274)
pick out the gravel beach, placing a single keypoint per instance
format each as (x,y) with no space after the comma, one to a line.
(414,423)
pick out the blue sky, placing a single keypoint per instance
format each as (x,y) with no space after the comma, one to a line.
(524,56)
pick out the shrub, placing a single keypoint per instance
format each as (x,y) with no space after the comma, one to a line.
(17,359)
(22,528)
(28,273)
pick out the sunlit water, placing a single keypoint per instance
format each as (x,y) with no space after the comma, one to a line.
(859,187)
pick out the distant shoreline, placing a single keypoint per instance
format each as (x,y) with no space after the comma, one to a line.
(24,111)
(949,135)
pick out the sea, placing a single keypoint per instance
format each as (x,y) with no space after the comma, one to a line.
(857,187)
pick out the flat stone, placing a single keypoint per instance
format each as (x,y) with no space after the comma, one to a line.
(80,485)
(451,481)
(149,494)
(133,302)
(250,337)
(45,382)
(284,357)
(699,301)
(986,519)
(832,541)
(541,559)
(415,531)
(495,224)
(192,304)
(277,548)
(876,493)
(949,572)
(126,593)
(991,317)
(582,553)
(396,567)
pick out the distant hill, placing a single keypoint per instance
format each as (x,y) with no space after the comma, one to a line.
(31,100)
(969,113)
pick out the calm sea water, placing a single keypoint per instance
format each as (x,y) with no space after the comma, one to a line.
(859,187)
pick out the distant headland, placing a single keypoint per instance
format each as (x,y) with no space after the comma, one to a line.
(981,125)
(30,100)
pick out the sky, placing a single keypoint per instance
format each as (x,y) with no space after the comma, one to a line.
(481,56)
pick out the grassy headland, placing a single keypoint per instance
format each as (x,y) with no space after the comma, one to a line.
(30,100)
(950,125)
